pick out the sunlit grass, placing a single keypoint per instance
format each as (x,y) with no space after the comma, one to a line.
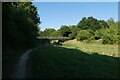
(111,50)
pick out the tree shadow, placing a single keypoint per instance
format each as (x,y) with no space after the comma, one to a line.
(61,62)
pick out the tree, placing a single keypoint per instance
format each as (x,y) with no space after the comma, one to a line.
(20,23)
(55,34)
(20,28)
(89,23)
(49,31)
(110,21)
(108,35)
(103,24)
(64,31)
(74,30)
(41,33)
(85,35)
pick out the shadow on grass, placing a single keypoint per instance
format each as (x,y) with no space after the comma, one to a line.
(59,62)
(10,57)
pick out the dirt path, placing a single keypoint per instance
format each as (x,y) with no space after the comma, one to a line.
(21,67)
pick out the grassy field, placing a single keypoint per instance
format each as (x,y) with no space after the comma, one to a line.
(97,47)
(9,61)
(60,62)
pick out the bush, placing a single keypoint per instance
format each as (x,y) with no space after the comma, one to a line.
(98,34)
(72,36)
(108,35)
(109,39)
(85,35)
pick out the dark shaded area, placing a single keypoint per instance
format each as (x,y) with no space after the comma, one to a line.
(59,62)
(42,42)
(97,38)
(20,29)
(66,34)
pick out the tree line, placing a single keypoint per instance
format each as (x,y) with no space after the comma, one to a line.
(20,22)
(89,29)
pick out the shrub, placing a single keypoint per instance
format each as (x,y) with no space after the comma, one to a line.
(109,39)
(85,35)
(72,36)
(108,35)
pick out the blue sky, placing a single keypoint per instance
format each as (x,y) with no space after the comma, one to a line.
(55,14)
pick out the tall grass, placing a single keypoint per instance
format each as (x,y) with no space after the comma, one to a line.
(96,46)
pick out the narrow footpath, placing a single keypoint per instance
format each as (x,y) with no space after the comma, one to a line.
(21,67)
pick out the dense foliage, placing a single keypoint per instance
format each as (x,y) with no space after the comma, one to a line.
(89,29)
(91,23)
(64,31)
(20,24)
(85,34)
(74,30)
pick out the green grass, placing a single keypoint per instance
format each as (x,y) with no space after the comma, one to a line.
(10,58)
(110,50)
(60,62)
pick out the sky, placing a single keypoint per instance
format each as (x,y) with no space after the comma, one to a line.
(76,0)
(55,14)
